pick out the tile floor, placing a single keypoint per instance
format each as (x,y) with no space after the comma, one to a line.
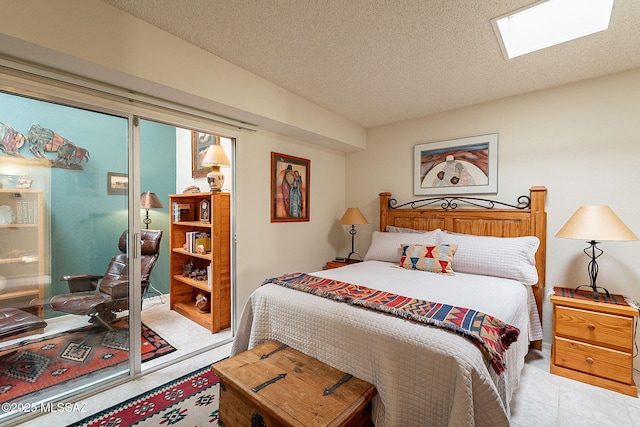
(184,334)
(542,400)
(548,400)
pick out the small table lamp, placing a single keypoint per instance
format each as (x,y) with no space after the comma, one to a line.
(353,217)
(215,157)
(149,200)
(595,224)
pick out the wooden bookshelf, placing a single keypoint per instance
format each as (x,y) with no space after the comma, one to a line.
(185,212)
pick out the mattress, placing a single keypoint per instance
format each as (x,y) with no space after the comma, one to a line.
(424,375)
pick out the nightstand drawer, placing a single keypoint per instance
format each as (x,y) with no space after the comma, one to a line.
(596,328)
(593,360)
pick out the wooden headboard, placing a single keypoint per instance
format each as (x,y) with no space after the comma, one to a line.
(477,216)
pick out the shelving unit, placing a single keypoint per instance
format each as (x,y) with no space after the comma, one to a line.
(22,251)
(217,289)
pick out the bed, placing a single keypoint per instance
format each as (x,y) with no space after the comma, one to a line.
(424,375)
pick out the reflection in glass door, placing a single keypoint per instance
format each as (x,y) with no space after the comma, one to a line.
(63,249)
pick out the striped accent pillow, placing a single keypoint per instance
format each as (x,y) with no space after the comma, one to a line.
(435,258)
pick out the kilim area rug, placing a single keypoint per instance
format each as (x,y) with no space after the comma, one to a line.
(191,400)
(34,366)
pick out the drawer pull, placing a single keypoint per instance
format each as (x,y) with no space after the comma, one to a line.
(589,360)
(591,326)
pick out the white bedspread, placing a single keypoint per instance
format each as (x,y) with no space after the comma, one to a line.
(424,375)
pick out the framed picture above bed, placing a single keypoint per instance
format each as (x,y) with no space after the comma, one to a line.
(456,166)
(289,188)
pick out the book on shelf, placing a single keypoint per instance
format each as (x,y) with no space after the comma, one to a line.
(31,213)
(182,211)
(209,276)
(26,212)
(198,242)
(19,212)
(203,243)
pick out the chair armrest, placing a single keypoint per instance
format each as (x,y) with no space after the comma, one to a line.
(82,282)
(118,289)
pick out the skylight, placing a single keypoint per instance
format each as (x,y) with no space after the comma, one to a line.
(549,23)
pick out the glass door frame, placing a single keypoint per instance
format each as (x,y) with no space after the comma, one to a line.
(133,249)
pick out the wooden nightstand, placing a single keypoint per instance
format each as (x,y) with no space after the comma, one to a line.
(338,264)
(593,340)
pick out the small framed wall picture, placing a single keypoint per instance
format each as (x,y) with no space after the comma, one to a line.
(117,183)
(205,211)
(289,188)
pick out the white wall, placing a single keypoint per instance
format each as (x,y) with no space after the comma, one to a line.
(581,141)
(268,249)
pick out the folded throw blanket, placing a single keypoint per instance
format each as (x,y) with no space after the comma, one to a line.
(491,335)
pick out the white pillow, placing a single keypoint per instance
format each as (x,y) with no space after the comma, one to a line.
(386,246)
(508,257)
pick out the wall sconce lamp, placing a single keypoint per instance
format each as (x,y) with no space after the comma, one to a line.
(149,200)
(595,224)
(353,217)
(215,157)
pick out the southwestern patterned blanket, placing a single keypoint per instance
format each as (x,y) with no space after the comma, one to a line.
(491,335)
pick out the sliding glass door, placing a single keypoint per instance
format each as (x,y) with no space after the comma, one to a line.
(84,242)
(171,165)
(64,249)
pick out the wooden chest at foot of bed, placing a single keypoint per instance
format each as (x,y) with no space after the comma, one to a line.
(275,385)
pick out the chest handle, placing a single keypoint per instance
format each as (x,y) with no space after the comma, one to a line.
(266,383)
(330,390)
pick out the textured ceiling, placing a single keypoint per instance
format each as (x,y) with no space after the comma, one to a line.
(381,61)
